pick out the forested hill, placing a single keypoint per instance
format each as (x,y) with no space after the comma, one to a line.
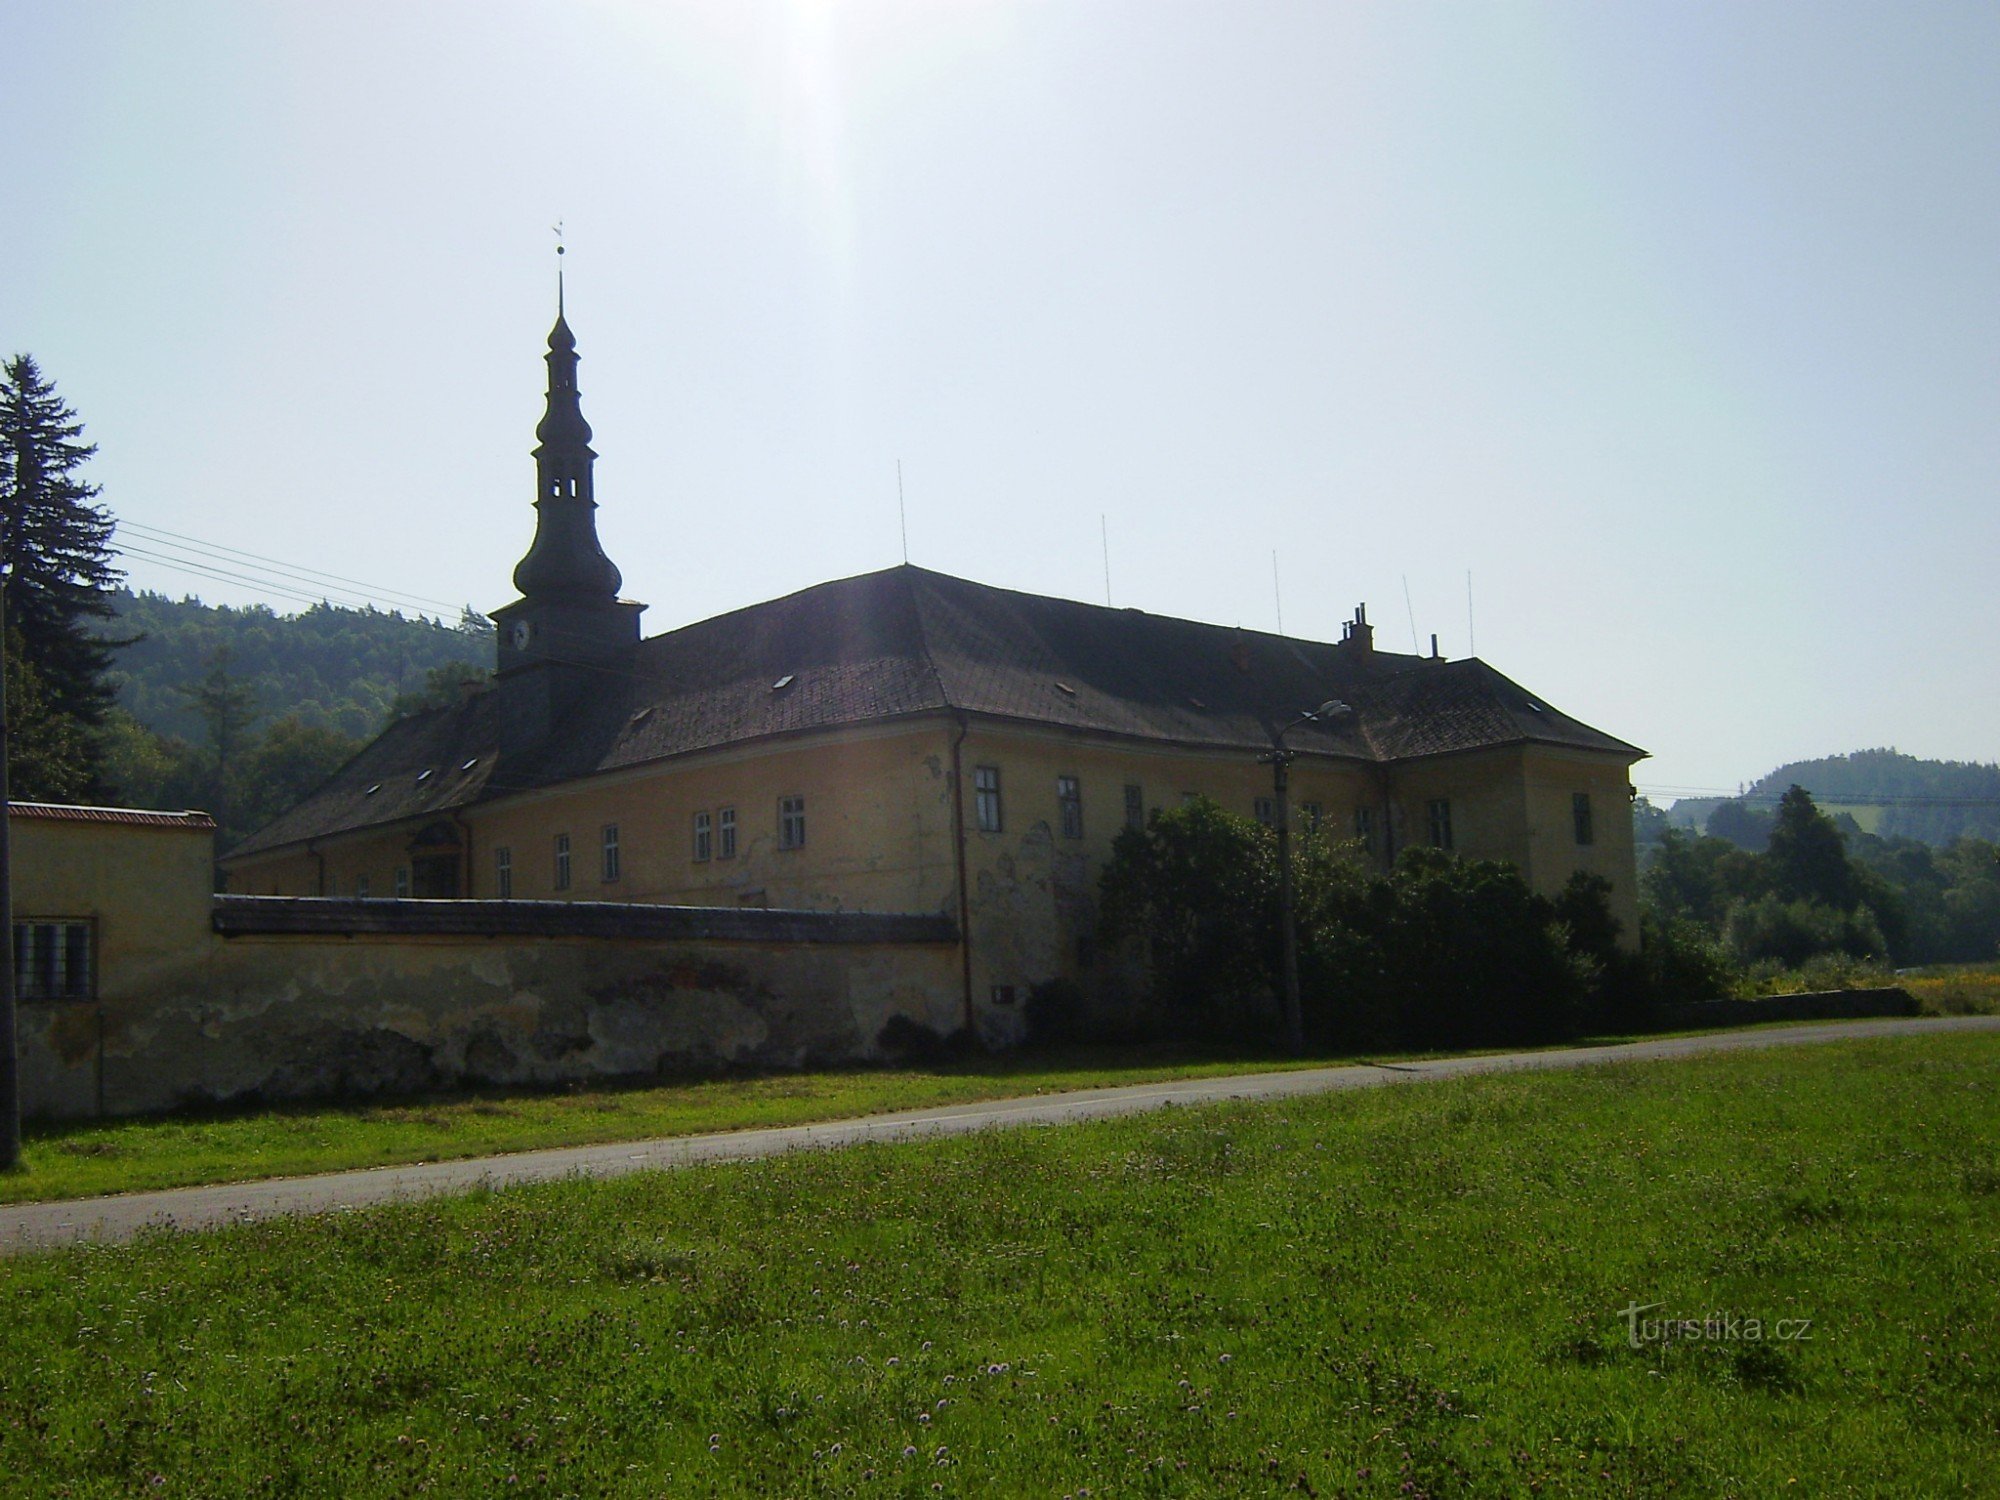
(1896,795)
(328,667)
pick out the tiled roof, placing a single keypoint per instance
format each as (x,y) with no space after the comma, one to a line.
(58,812)
(908,641)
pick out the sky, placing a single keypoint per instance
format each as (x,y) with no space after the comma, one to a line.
(1649,351)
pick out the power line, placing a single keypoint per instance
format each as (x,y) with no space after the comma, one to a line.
(298,571)
(1836,799)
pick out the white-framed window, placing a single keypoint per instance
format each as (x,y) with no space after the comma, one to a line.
(1579,812)
(986,797)
(609,847)
(1069,802)
(1135,807)
(725,833)
(562,861)
(791,822)
(1438,814)
(402,886)
(1364,828)
(1265,810)
(704,837)
(54,959)
(503,872)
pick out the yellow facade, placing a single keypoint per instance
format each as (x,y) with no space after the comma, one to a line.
(139,883)
(881,832)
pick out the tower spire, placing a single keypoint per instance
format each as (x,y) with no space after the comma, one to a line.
(566,560)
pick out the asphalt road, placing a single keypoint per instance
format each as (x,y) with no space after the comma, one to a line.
(41,1226)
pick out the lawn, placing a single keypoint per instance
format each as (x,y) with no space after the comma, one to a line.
(1407,1291)
(182,1150)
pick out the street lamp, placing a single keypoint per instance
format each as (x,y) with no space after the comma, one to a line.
(1281,780)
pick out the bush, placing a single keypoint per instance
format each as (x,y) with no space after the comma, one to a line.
(1058,1012)
(1790,932)
(1679,964)
(905,1041)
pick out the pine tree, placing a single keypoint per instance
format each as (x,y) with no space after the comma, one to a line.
(55,550)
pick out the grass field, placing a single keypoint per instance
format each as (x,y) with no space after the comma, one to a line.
(1954,989)
(1406,1291)
(133,1155)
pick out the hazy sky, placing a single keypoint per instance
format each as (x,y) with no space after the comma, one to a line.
(1676,325)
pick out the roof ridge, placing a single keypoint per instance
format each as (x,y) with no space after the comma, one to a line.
(906,576)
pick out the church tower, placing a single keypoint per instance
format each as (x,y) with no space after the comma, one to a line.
(569,610)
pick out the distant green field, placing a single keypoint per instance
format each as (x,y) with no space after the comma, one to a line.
(1528,1284)
(1867,814)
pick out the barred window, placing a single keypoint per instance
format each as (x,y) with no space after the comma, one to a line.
(791,822)
(1135,807)
(1579,811)
(1069,799)
(986,797)
(52,960)
(1438,811)
(704,837)
(503,872)
(725,833)
(562,861)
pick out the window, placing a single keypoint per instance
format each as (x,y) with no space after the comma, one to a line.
(610,848)
(402,882)
(1265,811)
(1135,807)
(1364,828)
(1438,810)
(1069,800)
(1188,799)
(725,833)
(52,960)
(986,797)
(361,886)
(704,837)
(503,872)
(562,861)
(791,822)
(1312,813)
(1579,811)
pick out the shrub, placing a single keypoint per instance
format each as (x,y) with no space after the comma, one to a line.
(1057,1012)
(1790,932)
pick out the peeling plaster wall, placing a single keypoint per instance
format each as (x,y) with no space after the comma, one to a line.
(323,1017)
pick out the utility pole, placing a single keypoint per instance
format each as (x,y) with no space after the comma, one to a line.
(1280,759)
(10,1060)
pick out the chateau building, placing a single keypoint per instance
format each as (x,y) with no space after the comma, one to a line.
(906,741)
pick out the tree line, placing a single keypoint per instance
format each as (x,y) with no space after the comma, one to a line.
(114,696)
(1797,884)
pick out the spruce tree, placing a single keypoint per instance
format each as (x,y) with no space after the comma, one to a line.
(55,550)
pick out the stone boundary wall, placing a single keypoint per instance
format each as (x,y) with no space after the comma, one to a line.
(308,998)
(1824,1005)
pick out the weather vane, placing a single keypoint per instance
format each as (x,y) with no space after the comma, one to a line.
(557,227)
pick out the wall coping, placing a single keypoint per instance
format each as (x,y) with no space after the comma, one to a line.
(353,916)
(136,817)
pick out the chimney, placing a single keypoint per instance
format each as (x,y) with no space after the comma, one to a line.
(1357,635)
